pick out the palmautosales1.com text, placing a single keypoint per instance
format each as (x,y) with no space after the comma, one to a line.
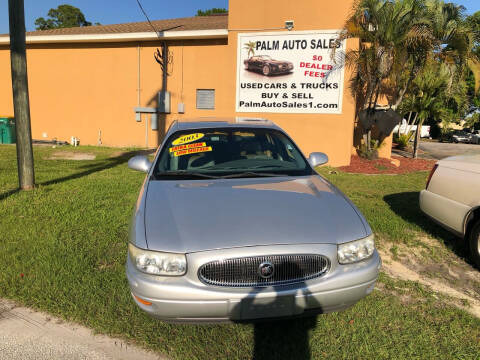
(287,104)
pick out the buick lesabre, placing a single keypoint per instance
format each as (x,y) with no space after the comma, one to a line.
(233,223)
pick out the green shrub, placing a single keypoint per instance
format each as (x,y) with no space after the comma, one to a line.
(370,154)
(403,140)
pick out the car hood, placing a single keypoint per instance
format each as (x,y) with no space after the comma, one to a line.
(196,215)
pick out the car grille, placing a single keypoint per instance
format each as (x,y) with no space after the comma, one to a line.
(244,272)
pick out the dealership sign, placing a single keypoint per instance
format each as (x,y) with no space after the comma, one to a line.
(290,72)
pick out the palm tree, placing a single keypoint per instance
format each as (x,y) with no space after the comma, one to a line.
(392,34)
(453,47)
(250,46)
(427,99)
(398,38)
(435,95)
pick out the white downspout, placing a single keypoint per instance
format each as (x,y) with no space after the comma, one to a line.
(139,89)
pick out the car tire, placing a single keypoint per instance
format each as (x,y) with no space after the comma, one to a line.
(474,244)
(266,70)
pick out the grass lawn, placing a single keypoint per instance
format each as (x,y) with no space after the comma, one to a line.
(63,247)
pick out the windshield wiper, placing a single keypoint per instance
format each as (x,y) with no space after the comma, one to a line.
(185,173)
(270,166)
(251,174)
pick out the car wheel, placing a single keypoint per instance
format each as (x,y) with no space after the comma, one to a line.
(474,243)
(455,141)
(266,70)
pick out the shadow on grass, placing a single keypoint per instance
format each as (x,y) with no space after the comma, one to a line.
(6,194)
(280,337)
(88,169)
(407,206)
(283,339)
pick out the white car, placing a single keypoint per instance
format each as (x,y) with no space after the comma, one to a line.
(452,198)
(461,137)
(475,137)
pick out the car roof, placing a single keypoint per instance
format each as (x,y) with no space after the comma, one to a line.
(213,122)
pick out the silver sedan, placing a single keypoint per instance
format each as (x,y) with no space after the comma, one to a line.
(233,224)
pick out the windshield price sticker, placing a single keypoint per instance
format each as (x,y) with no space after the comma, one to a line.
(187,146)
(193,150)
(185,139)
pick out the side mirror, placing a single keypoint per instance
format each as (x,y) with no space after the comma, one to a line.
(139,163)
(317,158)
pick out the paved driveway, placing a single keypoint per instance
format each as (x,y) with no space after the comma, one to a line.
(437,150)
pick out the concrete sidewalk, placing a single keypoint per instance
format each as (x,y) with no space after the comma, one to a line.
(26,334)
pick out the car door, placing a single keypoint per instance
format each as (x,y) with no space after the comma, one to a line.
(259,63)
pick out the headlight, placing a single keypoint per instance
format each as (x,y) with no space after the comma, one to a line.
(158,263)
(356,250)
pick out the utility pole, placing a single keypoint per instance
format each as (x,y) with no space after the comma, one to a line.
(21,105)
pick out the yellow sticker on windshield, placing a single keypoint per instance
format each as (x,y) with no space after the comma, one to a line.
(185,139)
(193,150)
(186,146)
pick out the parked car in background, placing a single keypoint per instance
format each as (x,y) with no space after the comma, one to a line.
(233,223)
(460,136)
(452,198)
(475,137)
(267,65)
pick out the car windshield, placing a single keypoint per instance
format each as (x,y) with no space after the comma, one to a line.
(229,152)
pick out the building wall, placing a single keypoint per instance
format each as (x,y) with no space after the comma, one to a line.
(90,90)
(332,134)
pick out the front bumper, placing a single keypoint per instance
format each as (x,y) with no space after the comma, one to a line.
(281,71)
(186,299)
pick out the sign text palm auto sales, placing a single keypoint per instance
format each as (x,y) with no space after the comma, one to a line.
(290,72)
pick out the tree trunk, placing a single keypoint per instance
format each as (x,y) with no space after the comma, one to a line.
(403,91)
(418,133)
(26,175)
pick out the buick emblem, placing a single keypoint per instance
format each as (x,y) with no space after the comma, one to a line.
(266,270)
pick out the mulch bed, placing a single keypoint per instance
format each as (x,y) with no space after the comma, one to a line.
(360,165)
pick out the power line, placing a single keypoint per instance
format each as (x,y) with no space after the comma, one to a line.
(148,19)
(153,27)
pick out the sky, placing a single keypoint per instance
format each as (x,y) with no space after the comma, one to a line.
(121,11)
